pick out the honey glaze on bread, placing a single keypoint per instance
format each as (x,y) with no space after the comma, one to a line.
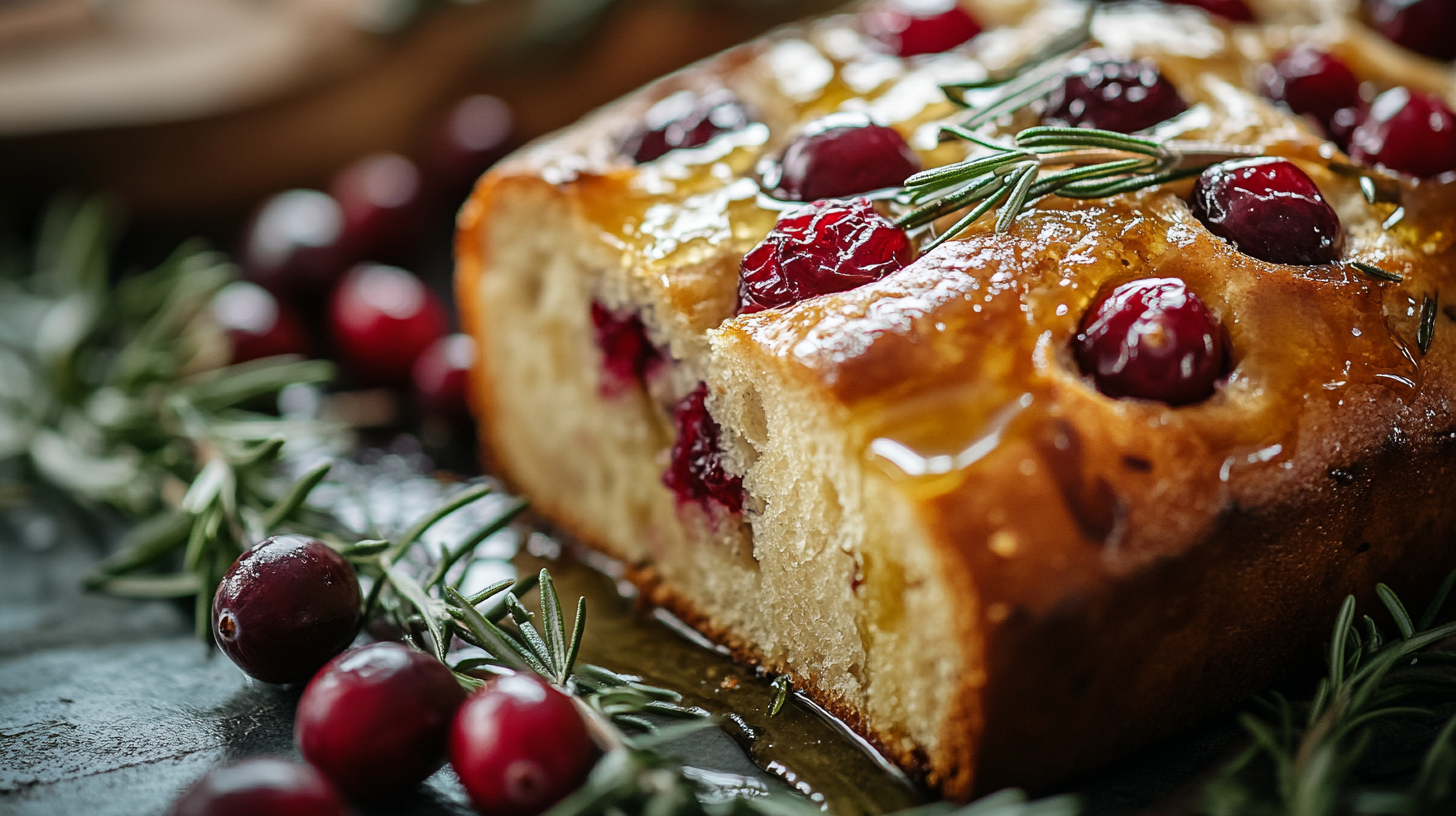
(949,537)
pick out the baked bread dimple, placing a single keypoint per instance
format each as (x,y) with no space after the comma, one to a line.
(948,536)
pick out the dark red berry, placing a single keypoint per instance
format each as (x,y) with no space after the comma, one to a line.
(1235,11)
(519,746)
(1409,132)
(1269,209)
(1424,26)
(1119,95)
(695,472)
(911,27)
(473,135)
(844,160)
(685,119)
(383,206)
(828,246)
(292,242)
(258,786)
(257,323)
(383,318)
(376,720)
(1311,83)
(286,607)
(628,357)
(1152,339)
(442,374)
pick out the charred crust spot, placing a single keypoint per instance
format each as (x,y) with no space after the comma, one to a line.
(1137,463)
(1363,548)
(1344,477)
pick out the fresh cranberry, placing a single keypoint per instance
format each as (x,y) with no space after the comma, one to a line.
(1152,339)
(1311,83)
(844,160)
(628,357)
(474,134)
(257,786)
(1119,95)
(257,323)
(292,242)
(1235,11)
(685,119)
(383,318)
(442,374)
(519,746)
(1269,209)
(1409,132)
(376,719)
(383,206)
(828,246)
(695,472)
(285,607)
(1424,26)
(911,27)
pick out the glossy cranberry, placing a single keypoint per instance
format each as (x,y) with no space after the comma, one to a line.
(1311,83)
(519,746)
(1152,339)
(1424,26)
(1235,11)
(844,160)
(628,357)
(474,134)
(442,374)
(383,206)
(828,246)
(292,242)
(695,472)
(1268,209)
(286,607)
(685,119)
(383,318)
(257,323)
(258,786)
(911,27)
(1409,132)
(376,719)
(1119,95)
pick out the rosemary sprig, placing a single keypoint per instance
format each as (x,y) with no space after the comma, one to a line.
(114,396)
(1312,748)
(1042,161)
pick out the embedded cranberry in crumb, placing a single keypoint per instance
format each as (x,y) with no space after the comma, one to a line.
(911,27)
(685,119)
(844,160)
(1235,11)
(257,323)
(1119,95)
(382,319)
(442,374)
(1268,209)
(1424,26)
(293,242)
(1311,83)
(383,205)
(628,357)
(1409,132)
(828,246)
(1152,339)
(285,607)
(376,719)
(696,472)
(255,786)
(519,746)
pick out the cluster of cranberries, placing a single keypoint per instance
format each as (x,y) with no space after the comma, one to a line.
(309,254)
(377,720)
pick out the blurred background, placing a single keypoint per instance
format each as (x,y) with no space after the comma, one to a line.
(325,146)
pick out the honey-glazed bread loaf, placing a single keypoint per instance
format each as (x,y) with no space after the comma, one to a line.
(914,474)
